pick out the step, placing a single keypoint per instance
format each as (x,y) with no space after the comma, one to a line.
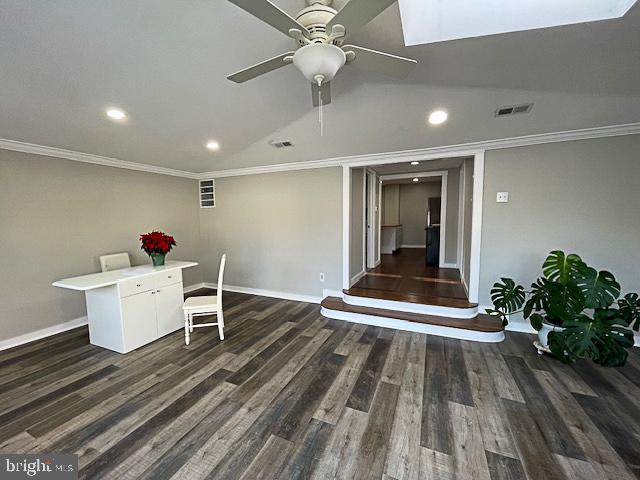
(481,328)
(410,302)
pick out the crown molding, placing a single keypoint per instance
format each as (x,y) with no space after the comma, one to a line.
(459,150)
(34,149)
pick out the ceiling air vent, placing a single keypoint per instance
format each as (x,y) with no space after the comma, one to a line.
(513,109)
(207,193)
(283,144)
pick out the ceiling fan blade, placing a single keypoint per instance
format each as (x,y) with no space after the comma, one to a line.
(357,13)
(376,61)
(260,68)
(325,93)
(271,14)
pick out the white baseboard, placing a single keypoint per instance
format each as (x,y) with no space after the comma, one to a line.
(194,287)
(331,293)
(377,263)
(45,332)
(413,246)
(296,297)
(357,277)
(466,288)
(448,265)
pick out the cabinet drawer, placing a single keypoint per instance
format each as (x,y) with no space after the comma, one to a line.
(169,278)
(137,285)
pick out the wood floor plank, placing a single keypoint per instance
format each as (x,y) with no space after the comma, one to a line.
(495,430)
(537,459)
(504,468)
(307,451)
(269,462)
(375,439)
(350,340)
(469,460)
(403,456)
(436,421)
(365,386)
(397,358)
(334,402)
(435,465)
(505,385)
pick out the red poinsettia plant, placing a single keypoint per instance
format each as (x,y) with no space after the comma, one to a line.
(157,242)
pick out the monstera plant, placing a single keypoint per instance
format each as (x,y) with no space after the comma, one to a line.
(577,306)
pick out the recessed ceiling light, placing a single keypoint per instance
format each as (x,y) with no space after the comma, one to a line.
(415,179)
(415,163)
(438,117)
(116,114)
(213,145)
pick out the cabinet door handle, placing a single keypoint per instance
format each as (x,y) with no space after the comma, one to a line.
(153,293)
(157,291)
(169,276)
(137,285)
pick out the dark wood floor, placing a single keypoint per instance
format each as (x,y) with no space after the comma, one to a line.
(290,394)
(404,276)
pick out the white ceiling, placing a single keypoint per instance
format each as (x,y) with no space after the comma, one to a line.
(62,63)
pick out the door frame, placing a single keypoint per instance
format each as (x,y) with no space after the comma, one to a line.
(476,217)
(444,187)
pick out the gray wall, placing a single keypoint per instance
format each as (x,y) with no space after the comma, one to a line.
(279,230)
(57,217)
(413,210)
(581,196)
(390,204)
(356,239)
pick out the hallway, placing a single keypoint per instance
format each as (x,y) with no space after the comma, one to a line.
(405,277)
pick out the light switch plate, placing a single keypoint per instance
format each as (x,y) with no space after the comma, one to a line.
(502,197)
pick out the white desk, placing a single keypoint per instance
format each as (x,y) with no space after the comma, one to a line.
(131,307)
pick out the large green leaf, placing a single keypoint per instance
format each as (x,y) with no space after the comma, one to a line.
(630,310)
(507,297)
(563,302)
(562,268)
(603,339)
(600,289)
(538,297)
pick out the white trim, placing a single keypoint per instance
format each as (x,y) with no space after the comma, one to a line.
(520,326)
(409,307)
(413,246)
(464,285)
(444,191)
(34,149)
(326,292)
(463,149)
(296,297)
(42,333)
(364,220)
(357,277)
(346,215)
(476,227)
(371,218)
(405,176)
(459,258)
(379,222)
(448,265)
(386,322)
(193,288)
(430,153)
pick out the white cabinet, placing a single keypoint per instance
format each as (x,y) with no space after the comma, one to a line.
(169,314)
(139,324)
(135,311)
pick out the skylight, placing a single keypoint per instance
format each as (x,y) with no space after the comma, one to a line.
(430,21)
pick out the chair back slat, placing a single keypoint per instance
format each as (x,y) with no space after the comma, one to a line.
(223,260)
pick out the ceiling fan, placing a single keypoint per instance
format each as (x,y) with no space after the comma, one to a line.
(320,32)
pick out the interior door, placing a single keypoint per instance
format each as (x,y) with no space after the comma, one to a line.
(169,302)
(371,219)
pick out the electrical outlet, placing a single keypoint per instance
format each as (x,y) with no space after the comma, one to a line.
(322,277)
(502,197)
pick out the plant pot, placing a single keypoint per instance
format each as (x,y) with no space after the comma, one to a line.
(157,259)
(543,333)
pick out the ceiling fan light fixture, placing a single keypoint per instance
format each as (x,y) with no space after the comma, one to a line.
(319,60)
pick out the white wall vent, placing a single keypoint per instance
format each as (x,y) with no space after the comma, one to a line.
(513,109)
(283,144)
(207,193)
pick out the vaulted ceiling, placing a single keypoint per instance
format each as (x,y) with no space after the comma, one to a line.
(63,63)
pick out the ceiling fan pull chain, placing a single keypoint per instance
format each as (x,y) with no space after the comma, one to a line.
(320,113)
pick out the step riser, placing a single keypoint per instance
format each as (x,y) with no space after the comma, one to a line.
(435,310)
(386,322)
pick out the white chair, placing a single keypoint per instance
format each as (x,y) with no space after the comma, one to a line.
(115,261)
(209,305)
